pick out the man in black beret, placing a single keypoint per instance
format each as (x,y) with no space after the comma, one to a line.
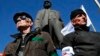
(28,42)
(81,42)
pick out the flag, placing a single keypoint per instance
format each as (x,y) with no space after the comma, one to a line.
(89,22)
(88,19)
(69,27)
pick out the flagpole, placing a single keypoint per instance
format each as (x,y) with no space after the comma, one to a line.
(82,7)
(98,4)
(93,27)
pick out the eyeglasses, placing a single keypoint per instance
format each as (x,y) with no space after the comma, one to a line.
(22,18)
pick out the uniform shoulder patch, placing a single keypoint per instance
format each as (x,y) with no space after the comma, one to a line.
(37,38)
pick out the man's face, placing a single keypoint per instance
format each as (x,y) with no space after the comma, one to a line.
(79,20)
(47,5)
(24,22)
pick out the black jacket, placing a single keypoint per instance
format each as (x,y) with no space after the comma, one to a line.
(84,43)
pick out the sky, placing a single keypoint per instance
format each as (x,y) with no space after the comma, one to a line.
(9,7)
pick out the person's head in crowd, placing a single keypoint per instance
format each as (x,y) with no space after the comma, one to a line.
(23,21)
(79,19)
(47,4)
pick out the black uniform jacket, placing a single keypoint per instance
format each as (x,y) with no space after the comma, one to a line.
(84,43)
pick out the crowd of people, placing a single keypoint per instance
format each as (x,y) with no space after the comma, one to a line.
(46,38)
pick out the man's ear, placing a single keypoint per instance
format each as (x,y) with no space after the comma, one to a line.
(31,23)
(72,22)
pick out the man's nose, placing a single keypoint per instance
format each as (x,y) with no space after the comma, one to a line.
(22,21)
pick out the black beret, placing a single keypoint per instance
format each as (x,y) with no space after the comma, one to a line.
(74,13)
(21,14)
